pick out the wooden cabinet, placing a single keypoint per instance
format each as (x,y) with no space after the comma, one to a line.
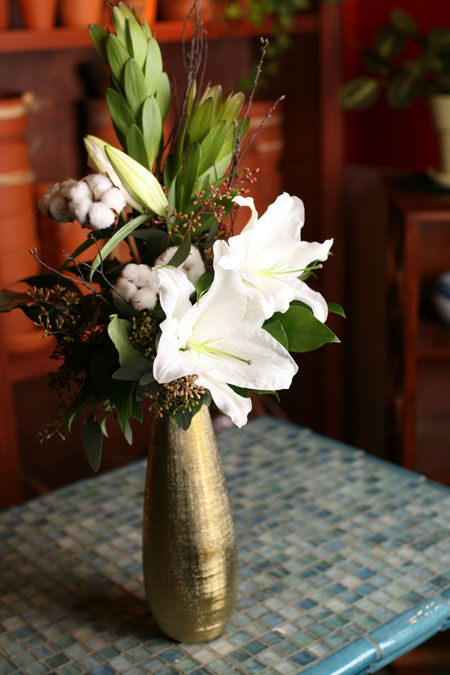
(418,341)
(48,62)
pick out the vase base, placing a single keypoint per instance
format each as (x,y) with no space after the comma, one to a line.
(440,177)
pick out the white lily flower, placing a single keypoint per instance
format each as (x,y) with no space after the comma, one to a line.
(214,340)
(269,256)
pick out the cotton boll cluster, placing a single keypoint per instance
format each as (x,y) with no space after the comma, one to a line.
(193,266)
(55,203)
(138,285)
(93,201)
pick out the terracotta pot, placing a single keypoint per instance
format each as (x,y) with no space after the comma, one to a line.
(147,7)
(18,233)
(38,14)
(80,13)
(178,10)
(4,14)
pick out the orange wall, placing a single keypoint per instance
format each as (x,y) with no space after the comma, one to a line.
(381,136)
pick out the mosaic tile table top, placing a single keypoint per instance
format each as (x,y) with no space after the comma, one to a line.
(344,564)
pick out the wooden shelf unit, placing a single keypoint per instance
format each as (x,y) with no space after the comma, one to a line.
(418,253)
(12,41)
(322,29)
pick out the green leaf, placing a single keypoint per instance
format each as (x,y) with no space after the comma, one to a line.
(117,57)
(438,39)
(117,237)
(276,330)
(163,95)
(147,378)
(212,145)
(389,41)
(375,64)
(92,442)
(120,26)
(336,309)
(404,22)
(120,112)
(153,66)
(200,122)
(119,331)
(190,174)
(136,41)
(204,283)
(151,128)
(406,85)
(122,396)
(99,38)
(135,86)
(181,253)
(11,299)
(232,106)
(136,145)
(133,370)
(304,332)
(154,237)
(359,93)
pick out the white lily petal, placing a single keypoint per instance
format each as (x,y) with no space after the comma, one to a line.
(236,407)
(252,359)
(171,363)
(311,298)
(249,202)
(222,308)
(174,289)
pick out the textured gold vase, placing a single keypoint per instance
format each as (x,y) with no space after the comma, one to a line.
(189,550)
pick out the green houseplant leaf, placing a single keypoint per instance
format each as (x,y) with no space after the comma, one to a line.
(92,441)
(304,332)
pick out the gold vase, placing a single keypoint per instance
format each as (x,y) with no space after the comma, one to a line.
(189,549)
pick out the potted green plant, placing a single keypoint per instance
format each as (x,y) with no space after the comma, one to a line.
(405,75)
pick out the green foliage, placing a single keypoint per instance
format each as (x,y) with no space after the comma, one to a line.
(304,333)
(404,79)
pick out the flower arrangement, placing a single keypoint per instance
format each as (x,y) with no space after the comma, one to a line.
(191,314)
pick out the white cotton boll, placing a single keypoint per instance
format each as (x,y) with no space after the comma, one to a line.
(79,192)
(98,183)
(113,199)
(66,186)
(165,257)
(60,210)
(144,298)
(44,204)
(124,289)
(194,265)
(100,217)
(130,271)
(81,209)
